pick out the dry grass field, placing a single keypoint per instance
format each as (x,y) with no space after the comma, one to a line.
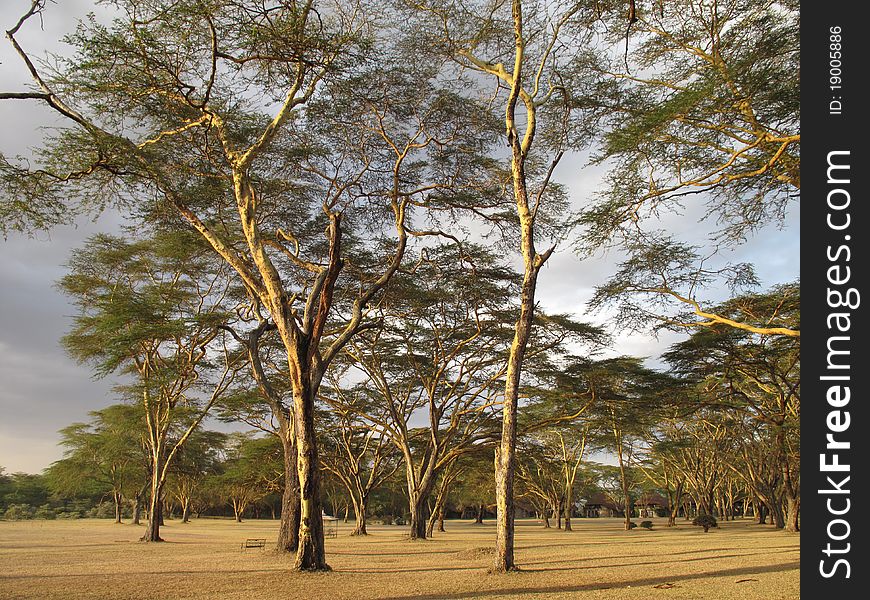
(202,560)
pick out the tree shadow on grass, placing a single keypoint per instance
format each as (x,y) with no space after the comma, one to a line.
(650,581)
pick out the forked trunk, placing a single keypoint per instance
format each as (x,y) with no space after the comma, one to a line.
(418,518)
(185,510)
(359,508)
(152,529)
(569,502)
(478,519)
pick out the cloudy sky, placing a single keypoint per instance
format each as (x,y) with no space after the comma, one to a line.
(41,390)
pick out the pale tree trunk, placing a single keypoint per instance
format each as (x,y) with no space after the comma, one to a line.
(185,510)
(569,501)
(155,516)
(359,508)
(155,501)
(116,497)
(623,477)
(532,263)
(238,509)
(288,529)
(675,501)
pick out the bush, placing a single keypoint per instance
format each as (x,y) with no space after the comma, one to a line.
(632,525)
(19,512)
(705,521)
(103,510)
(44,512)
(646,524)
(387,520)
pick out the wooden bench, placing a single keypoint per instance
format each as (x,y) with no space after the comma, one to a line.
(330,526)
(254,543)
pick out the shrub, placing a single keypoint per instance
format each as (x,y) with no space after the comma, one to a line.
(646,524)
(19,512)
(632,525)
(705,521)
(44,512)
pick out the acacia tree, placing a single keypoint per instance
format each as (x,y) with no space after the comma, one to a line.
(152,309)
(228,139)
(196,460)
(539,476)
(628,397)
(533,52)
(361,457)
(439,352)
(252,468)
(759,376)
(107,452)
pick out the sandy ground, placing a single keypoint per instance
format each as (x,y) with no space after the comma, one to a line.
(203,560)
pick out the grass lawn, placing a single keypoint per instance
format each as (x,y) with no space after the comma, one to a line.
(98,559)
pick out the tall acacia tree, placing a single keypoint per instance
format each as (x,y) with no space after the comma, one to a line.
(533,51)
(361,457)
(106,452)
(153,309)
(205,112)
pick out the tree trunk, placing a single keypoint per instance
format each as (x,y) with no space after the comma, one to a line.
(185,510)
(478,519)
(569,501)
(777,515)
(762,514)
(359,508)
(116,497)
(137,510)
(155,516)
(792,517)
(238,509)
(311,552)
(441,517)
(288,529)
(418,517)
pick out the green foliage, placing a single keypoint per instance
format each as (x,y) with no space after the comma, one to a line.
(646,524)
(705,521)
(705,103)
(107,454)
(23,489)
(19,512)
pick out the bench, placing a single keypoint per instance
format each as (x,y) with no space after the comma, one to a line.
(254,543)
(330,527)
